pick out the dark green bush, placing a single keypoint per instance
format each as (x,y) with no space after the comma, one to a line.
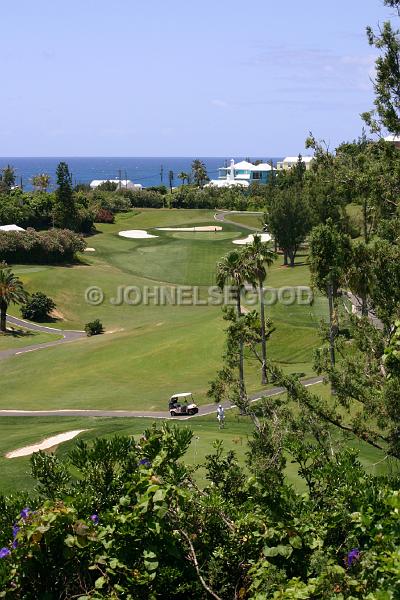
(38,307)
(94,328)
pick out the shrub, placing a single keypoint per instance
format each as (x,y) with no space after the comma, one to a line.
(94,328)
(104,216)
(40,247)
(38,307)
(108,186)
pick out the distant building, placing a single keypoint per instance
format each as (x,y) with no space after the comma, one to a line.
(290,161)
(394,139)
(241,174)
(124,184)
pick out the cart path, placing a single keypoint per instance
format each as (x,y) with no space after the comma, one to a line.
(68,336)
(207,409)
(221,216)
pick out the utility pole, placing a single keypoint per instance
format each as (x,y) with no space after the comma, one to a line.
(119,178)
(126,180)
(161,173)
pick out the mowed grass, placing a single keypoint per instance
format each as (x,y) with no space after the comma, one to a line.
(19,338)
(23,431)
(255,221)
(149,352)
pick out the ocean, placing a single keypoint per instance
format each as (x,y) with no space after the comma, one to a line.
(147,171)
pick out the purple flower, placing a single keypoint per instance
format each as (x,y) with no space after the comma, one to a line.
(352,556)
(15,544)
(4,552)
(145,462)
(95,519)
(25,512)
(15,530)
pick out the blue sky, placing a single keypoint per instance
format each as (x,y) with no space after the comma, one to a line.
(182,78)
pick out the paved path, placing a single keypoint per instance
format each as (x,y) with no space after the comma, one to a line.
(356,305)
(221,216)
(68,336)
(207,409)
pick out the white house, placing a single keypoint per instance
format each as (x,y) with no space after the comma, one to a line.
(290,161)
(241,174)
(124,184)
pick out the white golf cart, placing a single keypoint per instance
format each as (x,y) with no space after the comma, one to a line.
(182,404)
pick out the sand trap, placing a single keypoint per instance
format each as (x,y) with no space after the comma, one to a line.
(136,234)
(200,228)
(89,250)
(45,444)
(265,237)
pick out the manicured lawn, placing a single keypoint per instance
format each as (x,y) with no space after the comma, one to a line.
(19,338)
(255,221)
(149,352)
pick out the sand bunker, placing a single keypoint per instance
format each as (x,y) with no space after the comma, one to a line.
(89,250)
(200,228)
(136,234)
(45,444)
(265,237)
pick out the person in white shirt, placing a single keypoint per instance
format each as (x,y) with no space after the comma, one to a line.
(221,416)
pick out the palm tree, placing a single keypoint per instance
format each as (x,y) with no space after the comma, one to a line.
(259,256)
(11,291)
(183,177)
(232,269)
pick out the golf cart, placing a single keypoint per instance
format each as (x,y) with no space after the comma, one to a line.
(188,407)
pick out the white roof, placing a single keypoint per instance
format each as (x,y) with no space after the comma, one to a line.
(294,159)
(222,183)
(123,182)
(247,166)
(392,138)
(11,228)
(182,395)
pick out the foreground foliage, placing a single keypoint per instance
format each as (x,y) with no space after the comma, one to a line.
(131,523)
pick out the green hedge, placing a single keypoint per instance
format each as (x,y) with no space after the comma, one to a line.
(40,247)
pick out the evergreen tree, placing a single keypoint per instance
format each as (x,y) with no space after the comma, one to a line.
(65,211)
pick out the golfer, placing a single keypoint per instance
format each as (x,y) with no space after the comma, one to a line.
(221,416)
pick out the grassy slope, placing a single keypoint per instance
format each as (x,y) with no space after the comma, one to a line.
(154,350)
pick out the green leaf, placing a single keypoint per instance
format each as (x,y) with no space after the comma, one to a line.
(269,552)
(296,542)
(285,551)
(99,583)
(159,496)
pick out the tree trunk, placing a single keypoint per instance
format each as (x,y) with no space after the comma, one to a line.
(3,314)
(292,256)
(285,258)
(332,326)
(365,221)
(264,377)
(364,306)
(242,389)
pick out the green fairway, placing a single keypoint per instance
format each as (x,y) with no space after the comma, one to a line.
(255,221)
(19,338)
(149,351)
